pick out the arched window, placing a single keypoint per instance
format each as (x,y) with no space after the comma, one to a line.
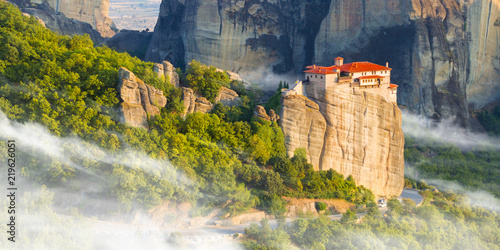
(321,77)
(307,77)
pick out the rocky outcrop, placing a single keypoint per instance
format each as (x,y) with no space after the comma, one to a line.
(353,132)
(93,12)
(140,100)
(166,70)
(227,97)
(441,51)
(261,113)
(61,24)
(196,103)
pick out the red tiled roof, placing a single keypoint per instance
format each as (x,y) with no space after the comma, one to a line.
(393,86)
(370,77)
(339,58)
(348,67)
(361,67)
(321,70)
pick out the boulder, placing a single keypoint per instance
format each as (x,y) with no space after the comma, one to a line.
(227,97)
(261,113)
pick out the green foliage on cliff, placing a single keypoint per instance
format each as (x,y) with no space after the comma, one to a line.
(490,121)
(446,222)
(205,80)
(69,86)
(477,168)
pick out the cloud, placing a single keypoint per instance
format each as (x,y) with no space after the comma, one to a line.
(445,131)
(478,198)
(45,218)
(72,150)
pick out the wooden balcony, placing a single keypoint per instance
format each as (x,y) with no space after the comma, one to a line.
(345,79)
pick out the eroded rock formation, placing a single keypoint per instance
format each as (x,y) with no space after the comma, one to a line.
(227,97)
(441,50)
(61,24)
(167,70)
(261,113)
(93,12)
(196,103)
(140,100)
(353,132)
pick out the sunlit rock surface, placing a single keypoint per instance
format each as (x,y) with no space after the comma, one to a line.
(193,102)
(93,12)
(353,132)
(139,99)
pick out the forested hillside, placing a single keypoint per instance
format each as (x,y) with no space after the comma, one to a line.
(443,221)
(69,86)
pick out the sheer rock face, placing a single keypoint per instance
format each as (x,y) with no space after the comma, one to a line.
(133,42)
(139,99)
(482,28)
(353,132)
(61,24)
(438,56)
(93,12)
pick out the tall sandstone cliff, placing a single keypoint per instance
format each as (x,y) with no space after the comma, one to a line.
(441,50)
(353,132)
(93,12)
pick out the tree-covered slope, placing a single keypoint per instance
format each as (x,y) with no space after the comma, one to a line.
(69,86)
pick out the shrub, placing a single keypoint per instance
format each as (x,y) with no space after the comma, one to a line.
(320,206)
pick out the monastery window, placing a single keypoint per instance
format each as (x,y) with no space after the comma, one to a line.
(307,77)
(321,77)
(315,76)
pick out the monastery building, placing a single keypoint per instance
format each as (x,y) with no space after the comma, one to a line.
(361,76)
